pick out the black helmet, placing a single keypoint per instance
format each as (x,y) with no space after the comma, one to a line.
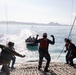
(67,40)
(44,35)
(10,44)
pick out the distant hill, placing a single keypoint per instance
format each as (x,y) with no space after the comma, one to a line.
(29,23)
(26,23)
(52,23)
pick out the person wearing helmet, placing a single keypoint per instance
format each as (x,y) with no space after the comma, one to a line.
(72,49)
(5,57)
(43,50)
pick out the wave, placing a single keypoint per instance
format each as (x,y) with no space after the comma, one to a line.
(20,45)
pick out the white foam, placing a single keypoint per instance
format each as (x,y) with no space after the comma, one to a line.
(20,45)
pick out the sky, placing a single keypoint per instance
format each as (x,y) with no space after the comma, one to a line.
(38,11)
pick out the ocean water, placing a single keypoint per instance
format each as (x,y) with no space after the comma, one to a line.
(18,34)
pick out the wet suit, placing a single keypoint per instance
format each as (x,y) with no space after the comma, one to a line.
(72,54)
(5,53)
(13,61)
(43,50)
(5,57)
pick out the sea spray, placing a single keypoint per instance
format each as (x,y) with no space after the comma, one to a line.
(20,45)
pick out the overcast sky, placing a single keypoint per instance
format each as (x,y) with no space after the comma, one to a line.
(39,11)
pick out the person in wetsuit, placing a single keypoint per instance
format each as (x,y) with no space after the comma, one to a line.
(72,54)
(43,50)
(5,56)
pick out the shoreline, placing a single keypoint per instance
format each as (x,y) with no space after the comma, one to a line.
(56,68)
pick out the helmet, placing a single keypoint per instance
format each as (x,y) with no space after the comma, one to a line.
(67,40)
(44,35)
(10,44)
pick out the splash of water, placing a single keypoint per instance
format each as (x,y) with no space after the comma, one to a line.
(20,45)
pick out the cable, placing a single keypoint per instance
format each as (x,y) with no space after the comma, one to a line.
(68,36)
(6,18)
(6,14)
(72,27)
(70,30)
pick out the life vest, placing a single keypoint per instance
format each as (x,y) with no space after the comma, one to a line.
(44,43)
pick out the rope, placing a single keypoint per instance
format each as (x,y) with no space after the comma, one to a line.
(6,18)
(68,36)
(72,28)
(6,14)
(69,32)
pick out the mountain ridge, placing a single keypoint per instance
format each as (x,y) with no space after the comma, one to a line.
(30,23)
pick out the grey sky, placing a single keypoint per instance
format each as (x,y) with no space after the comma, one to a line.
(39,11)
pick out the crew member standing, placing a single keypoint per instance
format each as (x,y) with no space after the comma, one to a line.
(5,56)
(72,53)
(43,50)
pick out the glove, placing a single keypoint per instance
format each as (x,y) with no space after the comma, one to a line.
(52,35)
(37,35)
(23,56)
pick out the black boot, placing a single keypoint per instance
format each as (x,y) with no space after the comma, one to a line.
(39,67)
(46,70)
